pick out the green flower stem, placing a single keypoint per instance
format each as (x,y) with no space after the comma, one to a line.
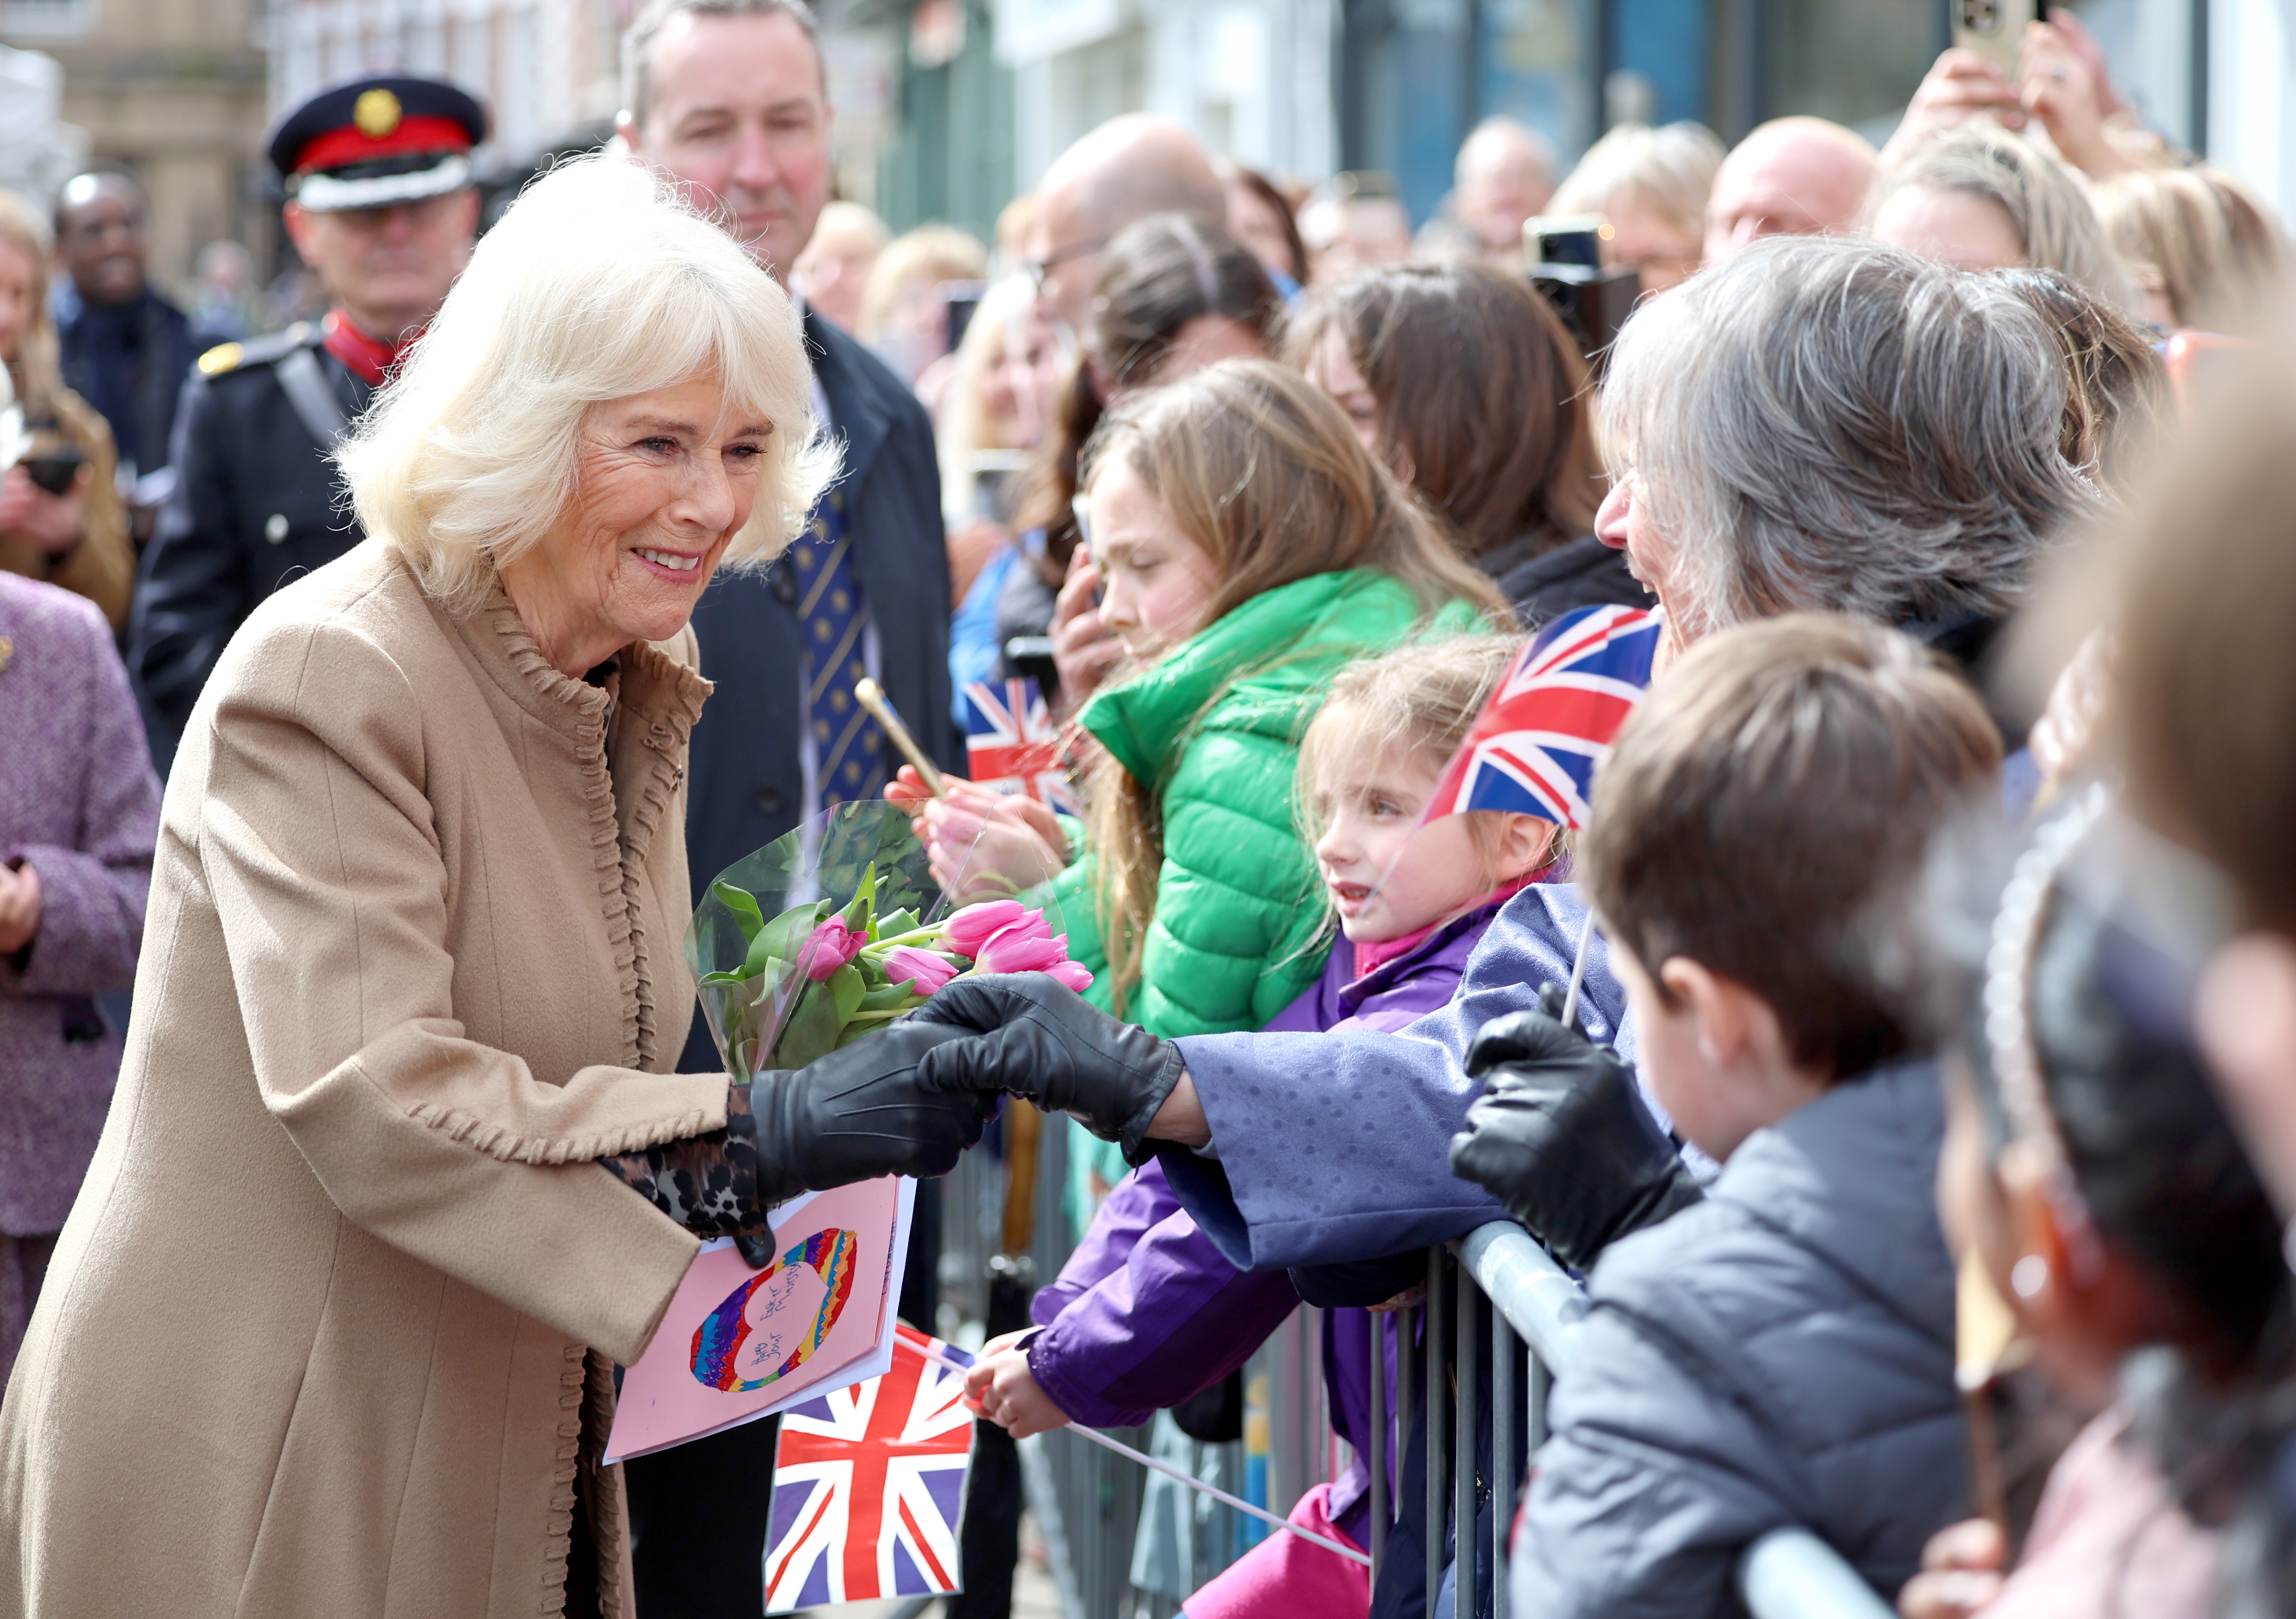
(915,936)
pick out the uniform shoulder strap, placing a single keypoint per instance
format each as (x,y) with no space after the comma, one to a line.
(305,387)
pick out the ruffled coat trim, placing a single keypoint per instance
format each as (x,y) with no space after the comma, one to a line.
(661,699)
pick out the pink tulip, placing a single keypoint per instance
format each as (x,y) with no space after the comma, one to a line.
(828,948)
(1021,948)
(1074,975)
(921,970)
(971,928)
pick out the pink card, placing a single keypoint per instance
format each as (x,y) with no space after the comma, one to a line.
(737,1345)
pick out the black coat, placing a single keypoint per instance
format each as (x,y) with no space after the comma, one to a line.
(256,504)
(747,787)
(129,361)
(1541,580)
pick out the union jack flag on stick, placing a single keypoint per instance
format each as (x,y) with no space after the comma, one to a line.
(1011,744)
(869,1486)
(1535,746)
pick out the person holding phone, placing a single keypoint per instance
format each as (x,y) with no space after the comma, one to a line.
(2031,69)
(62,520)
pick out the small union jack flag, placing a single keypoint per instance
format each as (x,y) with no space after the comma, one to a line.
(868,1486)
(1012,745)
(1535,746)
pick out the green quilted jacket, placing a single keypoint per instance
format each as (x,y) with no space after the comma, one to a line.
(1214,729)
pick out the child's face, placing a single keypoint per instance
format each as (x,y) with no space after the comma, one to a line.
(2000,1214)
(1970,1209)
(1158,583)
(1713,1051)
(1388,876)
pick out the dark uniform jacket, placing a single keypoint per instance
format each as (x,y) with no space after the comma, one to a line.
(748,786)
(256,504)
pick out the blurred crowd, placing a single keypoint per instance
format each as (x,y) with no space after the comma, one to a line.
(1937,1068)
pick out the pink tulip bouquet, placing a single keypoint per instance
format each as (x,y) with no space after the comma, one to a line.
(781,990)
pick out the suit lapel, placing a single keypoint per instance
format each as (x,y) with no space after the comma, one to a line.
(857,419)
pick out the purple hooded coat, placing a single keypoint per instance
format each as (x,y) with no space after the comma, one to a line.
(79,804)
(1146,1312)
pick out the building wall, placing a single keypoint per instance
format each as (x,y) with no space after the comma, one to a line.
(943,141)
(2252,116)
(547,70)
(174,89)
(1253,78)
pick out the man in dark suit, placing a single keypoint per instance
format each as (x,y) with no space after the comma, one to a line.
(730,96)
(121,346)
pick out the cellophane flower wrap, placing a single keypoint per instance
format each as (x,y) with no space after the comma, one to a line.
(838,929)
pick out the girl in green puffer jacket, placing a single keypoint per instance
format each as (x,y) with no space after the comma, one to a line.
(1249,548)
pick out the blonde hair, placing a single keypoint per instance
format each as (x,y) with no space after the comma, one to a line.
(964,426)
(1669,170)
(1261,471)
(2198,238)
(601,282)
(1419,701)
(930,253)
(842,218)
(35,372)
(2048,208)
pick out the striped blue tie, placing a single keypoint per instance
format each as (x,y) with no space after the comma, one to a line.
(848,746)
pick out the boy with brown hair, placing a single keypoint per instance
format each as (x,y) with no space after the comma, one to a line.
(1780,1353)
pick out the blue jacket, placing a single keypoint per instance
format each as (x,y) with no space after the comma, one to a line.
(1336,1147)
(1782,1353)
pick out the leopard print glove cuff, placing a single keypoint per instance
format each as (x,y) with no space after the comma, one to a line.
(708,1184)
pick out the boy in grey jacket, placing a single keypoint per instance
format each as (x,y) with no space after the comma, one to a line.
(1780,1352)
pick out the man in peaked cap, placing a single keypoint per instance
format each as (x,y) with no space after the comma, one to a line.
(381,207)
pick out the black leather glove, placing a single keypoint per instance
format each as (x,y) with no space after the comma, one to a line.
(855,1115)
(1039,1039)
(1560,1137)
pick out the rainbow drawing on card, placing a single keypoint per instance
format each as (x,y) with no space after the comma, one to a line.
(725,1333)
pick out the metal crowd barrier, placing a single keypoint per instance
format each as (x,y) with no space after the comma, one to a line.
(1499,1314)
(1788,1573)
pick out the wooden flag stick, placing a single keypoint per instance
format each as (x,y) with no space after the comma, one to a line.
(872,697)
(1169,1471)
(1577,970)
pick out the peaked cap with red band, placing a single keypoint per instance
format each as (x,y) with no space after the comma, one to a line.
(370,143)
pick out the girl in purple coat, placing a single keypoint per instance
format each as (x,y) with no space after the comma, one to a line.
(1146,1312)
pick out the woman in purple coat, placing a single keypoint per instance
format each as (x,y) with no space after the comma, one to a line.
(79,811)
(1146,1312)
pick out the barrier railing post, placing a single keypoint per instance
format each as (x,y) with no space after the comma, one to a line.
(1377,1459)
(1790,1573)
(1504,1464)
(1433,1414)
(1464,1448)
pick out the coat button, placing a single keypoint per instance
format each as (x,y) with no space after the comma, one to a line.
(768,800)
(274,528)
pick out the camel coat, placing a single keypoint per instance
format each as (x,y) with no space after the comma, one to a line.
(329,1328)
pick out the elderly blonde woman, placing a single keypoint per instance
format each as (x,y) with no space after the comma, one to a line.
(1650,187)
(329,1329)
(62,518)
(1981,199)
